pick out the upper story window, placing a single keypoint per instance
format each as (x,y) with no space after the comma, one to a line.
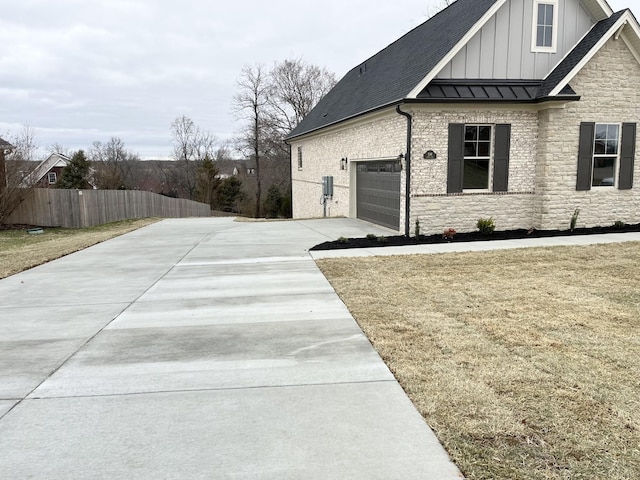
(545,26)
(299,158)
(52,177)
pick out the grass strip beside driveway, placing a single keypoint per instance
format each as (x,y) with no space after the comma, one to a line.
(20,250)
(526,363)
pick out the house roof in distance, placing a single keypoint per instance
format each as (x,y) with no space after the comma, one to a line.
(4,145)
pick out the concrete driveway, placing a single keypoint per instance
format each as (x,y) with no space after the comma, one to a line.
(200,349)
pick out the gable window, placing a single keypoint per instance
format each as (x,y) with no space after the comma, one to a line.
(478,158)
(606,155)
(545,25)
(299,158)
(52,177)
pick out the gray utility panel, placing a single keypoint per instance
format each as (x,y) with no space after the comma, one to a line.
(378,192)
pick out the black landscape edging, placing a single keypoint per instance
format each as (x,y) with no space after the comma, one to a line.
(401,240)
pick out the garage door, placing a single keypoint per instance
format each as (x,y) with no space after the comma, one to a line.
(378,193)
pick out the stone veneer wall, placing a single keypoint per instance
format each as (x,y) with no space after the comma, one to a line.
(382,136)
(543,157)
(610,93)
(430,202)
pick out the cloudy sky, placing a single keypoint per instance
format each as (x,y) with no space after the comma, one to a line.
(77,71)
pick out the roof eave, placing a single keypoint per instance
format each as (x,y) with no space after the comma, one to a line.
(625,19)
(346,119)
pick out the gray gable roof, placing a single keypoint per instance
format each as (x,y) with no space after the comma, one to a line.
(576,55)
(390,75)
(4,145)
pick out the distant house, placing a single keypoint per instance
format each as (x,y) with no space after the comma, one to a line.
(521,110)
(5,148)
(49,171)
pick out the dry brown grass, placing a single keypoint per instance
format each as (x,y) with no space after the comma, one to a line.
(20,250)
(525,363)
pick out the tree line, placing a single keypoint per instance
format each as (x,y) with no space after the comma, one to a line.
(268,104)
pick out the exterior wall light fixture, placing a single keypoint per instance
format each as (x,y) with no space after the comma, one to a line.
(343,163)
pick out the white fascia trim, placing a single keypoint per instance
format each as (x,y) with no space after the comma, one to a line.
(605,7)
(587,58)
(454,51)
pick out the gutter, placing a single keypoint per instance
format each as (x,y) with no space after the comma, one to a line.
(407,158)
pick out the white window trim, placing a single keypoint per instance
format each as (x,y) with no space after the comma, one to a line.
(491,150)
(616,172)
(54,176)
(534,30)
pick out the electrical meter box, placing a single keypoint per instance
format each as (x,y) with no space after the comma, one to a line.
(327,186)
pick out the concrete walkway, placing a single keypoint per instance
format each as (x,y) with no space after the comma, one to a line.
(200,349)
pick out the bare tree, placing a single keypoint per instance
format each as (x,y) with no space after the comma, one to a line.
(25,144)
(59,149)
(296,87)
(251,105)
(16,163)
(113,164)
(191,145)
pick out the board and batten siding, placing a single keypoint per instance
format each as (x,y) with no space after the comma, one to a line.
(502,48)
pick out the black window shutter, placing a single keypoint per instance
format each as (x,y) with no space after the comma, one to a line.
(501,158)
(627,156)
(585,156)
(456,158)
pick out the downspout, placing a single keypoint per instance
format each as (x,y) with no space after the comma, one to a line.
(407,159)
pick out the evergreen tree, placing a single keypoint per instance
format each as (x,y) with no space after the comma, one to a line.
(207,181)
(76,173)
(229,194)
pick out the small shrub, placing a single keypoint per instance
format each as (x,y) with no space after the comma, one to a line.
(486,225)
(574,219)
(619,224)
(372,236)
(343,240)
(417,231)
(382,239)
(449,233)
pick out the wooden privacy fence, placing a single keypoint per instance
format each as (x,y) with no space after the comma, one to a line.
(48,207)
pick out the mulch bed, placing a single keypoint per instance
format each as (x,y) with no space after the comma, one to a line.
(401,240)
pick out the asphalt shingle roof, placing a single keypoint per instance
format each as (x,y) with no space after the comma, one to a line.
(576,55)
(391,74)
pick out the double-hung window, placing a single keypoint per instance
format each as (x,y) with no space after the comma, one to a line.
(545,26)
(478,158)
(606,155)
(52,178)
